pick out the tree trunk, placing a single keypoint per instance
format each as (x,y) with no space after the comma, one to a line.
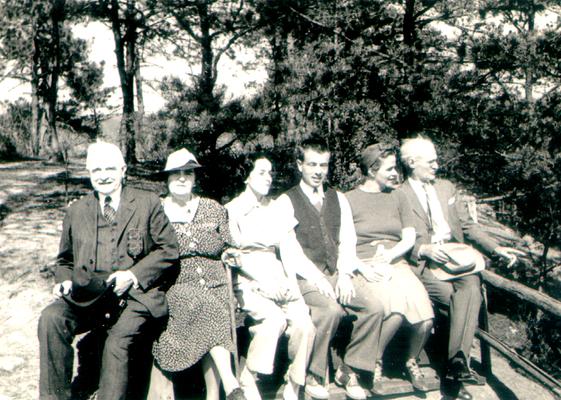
(125,52)
(409,32)
(36,110)
(57,17)
(36,118)
(279,53)
(407,119)
(207,79)
(529,70)
(139,98)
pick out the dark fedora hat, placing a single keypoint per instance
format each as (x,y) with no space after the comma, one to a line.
(93,295)
(87,287)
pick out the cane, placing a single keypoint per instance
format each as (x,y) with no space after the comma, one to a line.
(232,304)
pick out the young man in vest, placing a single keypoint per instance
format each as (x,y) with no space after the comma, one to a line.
(326,279)
(441,219)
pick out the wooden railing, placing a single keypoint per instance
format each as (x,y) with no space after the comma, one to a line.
(528,295)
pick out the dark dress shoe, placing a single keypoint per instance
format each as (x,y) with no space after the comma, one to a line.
(458,370)
(454,390)
(236,394)
(463,394)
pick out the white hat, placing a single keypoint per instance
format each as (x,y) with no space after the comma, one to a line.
(463,260)
(181,160)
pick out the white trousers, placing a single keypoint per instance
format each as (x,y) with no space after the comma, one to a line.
(271,321)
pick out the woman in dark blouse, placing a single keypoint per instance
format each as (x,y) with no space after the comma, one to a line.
(385,233)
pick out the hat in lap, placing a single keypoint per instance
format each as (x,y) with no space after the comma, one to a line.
(93,294)
(463,260)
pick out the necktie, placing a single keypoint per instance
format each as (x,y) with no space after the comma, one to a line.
(429,212)
(317,203)
(108,211)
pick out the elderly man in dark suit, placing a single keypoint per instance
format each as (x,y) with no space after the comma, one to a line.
(441,219)
(120,235)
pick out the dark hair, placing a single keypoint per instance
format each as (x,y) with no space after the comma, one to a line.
(371,157)
(313,143)
(251,159)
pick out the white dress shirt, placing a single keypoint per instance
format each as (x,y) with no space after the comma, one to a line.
(115,199)
(440,227)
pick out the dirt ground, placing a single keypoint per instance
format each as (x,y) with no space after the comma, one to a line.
(32,202)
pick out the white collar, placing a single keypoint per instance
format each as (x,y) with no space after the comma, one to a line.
(177,213)
(417,184)
(310,192)
(115,198)
(249,200)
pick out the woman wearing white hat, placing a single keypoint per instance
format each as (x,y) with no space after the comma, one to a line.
(199,326)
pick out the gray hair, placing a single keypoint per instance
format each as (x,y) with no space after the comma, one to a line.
(413,148)
(103,150)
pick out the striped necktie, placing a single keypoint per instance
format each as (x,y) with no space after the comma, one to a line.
(108,211)
(429,211)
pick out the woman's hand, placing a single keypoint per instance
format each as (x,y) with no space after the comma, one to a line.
(231,257)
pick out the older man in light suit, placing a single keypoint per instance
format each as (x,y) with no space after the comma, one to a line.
(440,219)
(119,234)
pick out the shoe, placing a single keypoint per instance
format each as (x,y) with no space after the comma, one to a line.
(314,389)
(248,385)
(416,376)
(454,390)
(458,370)
(236,394)
(349,381)
(463,394)
(475,379)
(290,391)
(377,379)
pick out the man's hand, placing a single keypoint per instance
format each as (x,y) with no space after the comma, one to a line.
(325,288)
(434,252)
(509,254)
(231,257)
(123,281)
(62,288)
(344,289)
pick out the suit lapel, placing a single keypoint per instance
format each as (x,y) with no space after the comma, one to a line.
(125,212)
(92,207)
(415,203)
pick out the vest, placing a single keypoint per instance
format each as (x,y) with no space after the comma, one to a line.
(106,249)
(318,232)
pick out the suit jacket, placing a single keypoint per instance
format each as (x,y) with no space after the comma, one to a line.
(462,227)
(138,210)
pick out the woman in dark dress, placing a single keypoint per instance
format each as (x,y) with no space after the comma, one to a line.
(199,325)
(385,233)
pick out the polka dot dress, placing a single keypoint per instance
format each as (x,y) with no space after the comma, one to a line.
(199,310)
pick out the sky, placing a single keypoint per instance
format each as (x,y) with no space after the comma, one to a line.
(238,83)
